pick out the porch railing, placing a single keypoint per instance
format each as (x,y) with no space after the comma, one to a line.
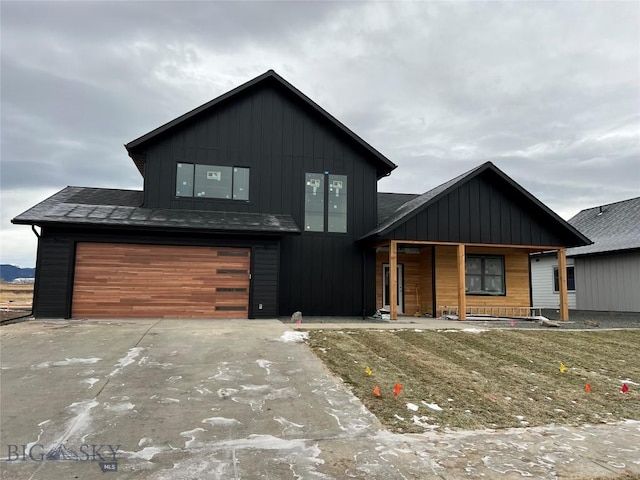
(500,312)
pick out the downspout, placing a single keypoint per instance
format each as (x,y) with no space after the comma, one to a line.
(30,314)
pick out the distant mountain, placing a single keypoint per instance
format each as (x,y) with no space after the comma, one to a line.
(9,273)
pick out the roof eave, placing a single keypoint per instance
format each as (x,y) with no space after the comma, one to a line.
(153,228)
(469,176)
(585,241)
(385,165)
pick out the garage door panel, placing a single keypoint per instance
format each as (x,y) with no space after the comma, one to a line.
(121,280)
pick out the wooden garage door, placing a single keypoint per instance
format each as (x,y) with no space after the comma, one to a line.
(145,281)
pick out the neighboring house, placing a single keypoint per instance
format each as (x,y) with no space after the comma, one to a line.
(604,276)
(545,284)
(260,203)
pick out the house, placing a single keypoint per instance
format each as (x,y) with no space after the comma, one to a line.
(260,203)
(604,276)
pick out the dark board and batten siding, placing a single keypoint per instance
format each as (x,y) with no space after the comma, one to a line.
(479,211)
(280,140)
(54,269)
(56,249)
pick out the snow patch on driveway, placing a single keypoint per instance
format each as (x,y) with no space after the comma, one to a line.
(295,337)
(131,356)
(68,361)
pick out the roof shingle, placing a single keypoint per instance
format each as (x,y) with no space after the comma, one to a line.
(121,208)
(612,227)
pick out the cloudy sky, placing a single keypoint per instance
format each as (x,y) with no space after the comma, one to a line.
(548,91)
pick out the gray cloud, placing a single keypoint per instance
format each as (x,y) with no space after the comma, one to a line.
(550,92)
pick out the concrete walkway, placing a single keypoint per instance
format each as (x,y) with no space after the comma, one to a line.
(182,399)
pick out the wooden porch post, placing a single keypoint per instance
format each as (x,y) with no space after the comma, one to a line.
(562,284)
(462,299)
(393,280)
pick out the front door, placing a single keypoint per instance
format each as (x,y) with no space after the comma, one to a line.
(386,283)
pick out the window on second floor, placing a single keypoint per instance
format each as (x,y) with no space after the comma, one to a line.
(212,181)
(484,275)
(571,280)
(325,206)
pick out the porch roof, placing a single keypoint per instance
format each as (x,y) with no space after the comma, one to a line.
(487,190)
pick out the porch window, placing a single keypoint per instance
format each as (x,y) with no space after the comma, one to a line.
(484,275)
(212,181)
(571,280)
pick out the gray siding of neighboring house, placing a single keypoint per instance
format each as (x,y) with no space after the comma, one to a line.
(608,282)
(542,293)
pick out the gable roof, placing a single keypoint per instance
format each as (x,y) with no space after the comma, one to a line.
(612,227)
(111,208)
(390,202)
(384,165)
(418,204)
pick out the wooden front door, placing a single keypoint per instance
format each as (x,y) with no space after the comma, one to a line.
(165,281)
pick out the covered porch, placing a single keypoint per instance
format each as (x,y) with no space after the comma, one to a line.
(416,277)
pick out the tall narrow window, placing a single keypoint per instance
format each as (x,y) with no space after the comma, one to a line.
(184,180)
(484,275)
(240,183)
(337,214)
(314,202)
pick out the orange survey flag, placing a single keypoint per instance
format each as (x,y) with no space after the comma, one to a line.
(376,391)
(397,388)
(587,387)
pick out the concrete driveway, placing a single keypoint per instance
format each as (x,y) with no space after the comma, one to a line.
(177,399)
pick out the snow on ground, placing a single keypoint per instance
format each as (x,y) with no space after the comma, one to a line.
(291,336)
(432,406)
(629,382)
(412,406)
(132,354)
(69,361)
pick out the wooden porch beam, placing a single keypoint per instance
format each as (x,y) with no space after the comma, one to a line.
(393,280)
(533,248)
(462,298)
(562,284)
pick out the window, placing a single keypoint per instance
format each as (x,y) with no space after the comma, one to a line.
(314,202)
(484,275)
(571,280)
(338,203)
(212,181)
(315,199)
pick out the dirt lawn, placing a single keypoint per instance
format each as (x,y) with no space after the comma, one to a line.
(487,379)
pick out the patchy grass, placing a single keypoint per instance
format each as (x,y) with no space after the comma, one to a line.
(493,379)
(624,476)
